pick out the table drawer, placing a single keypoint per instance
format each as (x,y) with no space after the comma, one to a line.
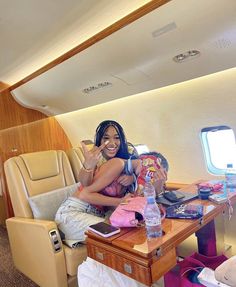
(120,263)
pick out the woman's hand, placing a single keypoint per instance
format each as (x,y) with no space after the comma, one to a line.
(125,180)
(92,156)
(126,198)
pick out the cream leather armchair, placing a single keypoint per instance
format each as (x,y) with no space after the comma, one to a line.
(36,246)
(76,158)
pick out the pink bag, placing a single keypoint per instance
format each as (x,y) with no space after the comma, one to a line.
(190,267)
(129,214)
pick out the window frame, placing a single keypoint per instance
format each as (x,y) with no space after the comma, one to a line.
(211,168)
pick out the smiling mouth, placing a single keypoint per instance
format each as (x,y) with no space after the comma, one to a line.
(111,149)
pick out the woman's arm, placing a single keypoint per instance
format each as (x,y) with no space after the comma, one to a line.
(100,199)
(85,176)
(106,174)
(91,158)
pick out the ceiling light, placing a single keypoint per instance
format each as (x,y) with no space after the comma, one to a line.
(186,56)
(180,57)
(193,53)
(94,88)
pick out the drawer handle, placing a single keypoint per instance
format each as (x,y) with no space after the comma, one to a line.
(99,255)
(128,268)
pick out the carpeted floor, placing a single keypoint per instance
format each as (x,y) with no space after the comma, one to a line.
(9,276)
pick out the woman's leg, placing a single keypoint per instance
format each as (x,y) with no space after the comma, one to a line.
(74,216)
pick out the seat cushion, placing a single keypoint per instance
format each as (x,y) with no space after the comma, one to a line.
(45,205)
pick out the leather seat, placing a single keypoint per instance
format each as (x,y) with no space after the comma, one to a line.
(36,245)
(76,158)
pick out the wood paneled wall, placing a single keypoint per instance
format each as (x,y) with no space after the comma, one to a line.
(25,130)
(13,114)
(3,86)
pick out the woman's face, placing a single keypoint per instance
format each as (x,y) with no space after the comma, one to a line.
(113,146)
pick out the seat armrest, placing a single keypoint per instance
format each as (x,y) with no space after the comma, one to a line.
(37,250)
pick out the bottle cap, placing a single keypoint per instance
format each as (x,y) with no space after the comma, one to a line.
(147,178)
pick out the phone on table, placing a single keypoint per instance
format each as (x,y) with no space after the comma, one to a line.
(173,196)
(104,229)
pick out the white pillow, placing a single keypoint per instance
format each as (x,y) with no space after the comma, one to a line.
(45,205)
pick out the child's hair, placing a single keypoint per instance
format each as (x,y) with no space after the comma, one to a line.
(163,160)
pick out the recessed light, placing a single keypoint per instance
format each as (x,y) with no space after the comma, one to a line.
(193,53)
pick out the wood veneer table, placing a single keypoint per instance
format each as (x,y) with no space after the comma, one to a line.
(130,253)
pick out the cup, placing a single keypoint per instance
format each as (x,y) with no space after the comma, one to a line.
(204,192)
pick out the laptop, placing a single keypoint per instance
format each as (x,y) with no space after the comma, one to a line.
(181,197)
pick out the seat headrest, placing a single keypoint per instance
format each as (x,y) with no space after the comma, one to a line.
(41,164)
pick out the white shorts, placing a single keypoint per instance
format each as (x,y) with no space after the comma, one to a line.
(74,216)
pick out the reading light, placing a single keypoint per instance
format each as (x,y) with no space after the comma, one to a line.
(193,53)
(186,56)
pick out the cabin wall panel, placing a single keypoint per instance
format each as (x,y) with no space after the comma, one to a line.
(168,120)
(12,114)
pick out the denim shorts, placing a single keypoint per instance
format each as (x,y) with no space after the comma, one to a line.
(74,216)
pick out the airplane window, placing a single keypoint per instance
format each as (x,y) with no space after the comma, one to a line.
(219,148)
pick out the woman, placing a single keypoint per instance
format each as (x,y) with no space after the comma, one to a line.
(110,142)
(102,165)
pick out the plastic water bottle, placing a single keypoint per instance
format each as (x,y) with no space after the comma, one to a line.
(152,214)
(230,178)
(148,189)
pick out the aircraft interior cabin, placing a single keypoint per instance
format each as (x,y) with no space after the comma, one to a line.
(117,143)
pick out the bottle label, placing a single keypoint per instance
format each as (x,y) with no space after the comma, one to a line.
(153,221)
(150,200)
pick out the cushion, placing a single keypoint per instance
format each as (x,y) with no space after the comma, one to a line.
(45,205)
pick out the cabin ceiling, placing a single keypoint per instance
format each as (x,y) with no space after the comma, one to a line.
(137,58)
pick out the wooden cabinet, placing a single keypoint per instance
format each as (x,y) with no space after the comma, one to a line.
(145,269)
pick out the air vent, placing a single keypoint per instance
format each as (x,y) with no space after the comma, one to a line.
(94,88)
(222,43)
(169,27)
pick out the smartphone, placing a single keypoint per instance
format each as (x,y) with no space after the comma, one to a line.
(104,229)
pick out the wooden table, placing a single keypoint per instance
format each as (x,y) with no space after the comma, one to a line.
(130,253)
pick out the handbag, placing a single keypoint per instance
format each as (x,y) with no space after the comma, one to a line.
(131,213)
(189,268)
